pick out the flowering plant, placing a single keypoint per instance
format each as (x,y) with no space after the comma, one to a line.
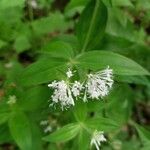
(74,74)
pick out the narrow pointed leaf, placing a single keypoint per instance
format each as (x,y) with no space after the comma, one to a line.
(92,23)
(42,71)
(96,60)
(63,134)
(58,49)
(20,130)
(102,124)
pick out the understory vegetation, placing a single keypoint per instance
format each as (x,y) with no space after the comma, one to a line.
(74,74)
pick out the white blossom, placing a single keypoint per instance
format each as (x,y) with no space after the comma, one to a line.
(96,86)
(69,73)
(12,100)
(99,84)
(9,65)
(76,88)
(44,122)
(97,138)
(48,129)
(62,93)
(33,3)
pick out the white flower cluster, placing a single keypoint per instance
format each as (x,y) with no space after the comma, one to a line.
(33,3)
(11,100)
(97,138)
(96,86)
(47,126)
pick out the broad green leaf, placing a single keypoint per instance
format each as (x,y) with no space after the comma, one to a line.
(3,117)
(58,49)
(11,3)
(20,130)
(132,144)
(120,104)
(120,26)
(80,111)
(143,5)
(141,80)
(83,141)
(64,134)
(22,43)
(54,22)
(108,3)
(70,39)
(146,147)
(122,3)
(2,43)
(76,3)
(42,71)
(5,136)
(121,65)
(143,133)
(102,124)
(37,143)
(34,99)
(119,15)
(4,110)
(92,23)
(13,72)
(75,6)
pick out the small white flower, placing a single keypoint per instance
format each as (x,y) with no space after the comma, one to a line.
(33,3)
(62,93)
(97,138)
(44,122)
(76,88)
(9,65)
(98,84)
(69,73)
(48,129)
(12,100)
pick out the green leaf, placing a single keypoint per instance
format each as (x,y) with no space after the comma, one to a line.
(5,136)
(3,117)
(122,3)
(4,110)
(76,3)
(143,5)
(42,71)
(121,65)
(54,22)
(58,49)
(63,134)
(7,3)
(75,6)
(22,43)
(143,133)
(141,80)
(34,99)
(80,111)
(102,124)
(2,43)
(37,143)
(20,130)
(92,23)
(83,141)
(120,104)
